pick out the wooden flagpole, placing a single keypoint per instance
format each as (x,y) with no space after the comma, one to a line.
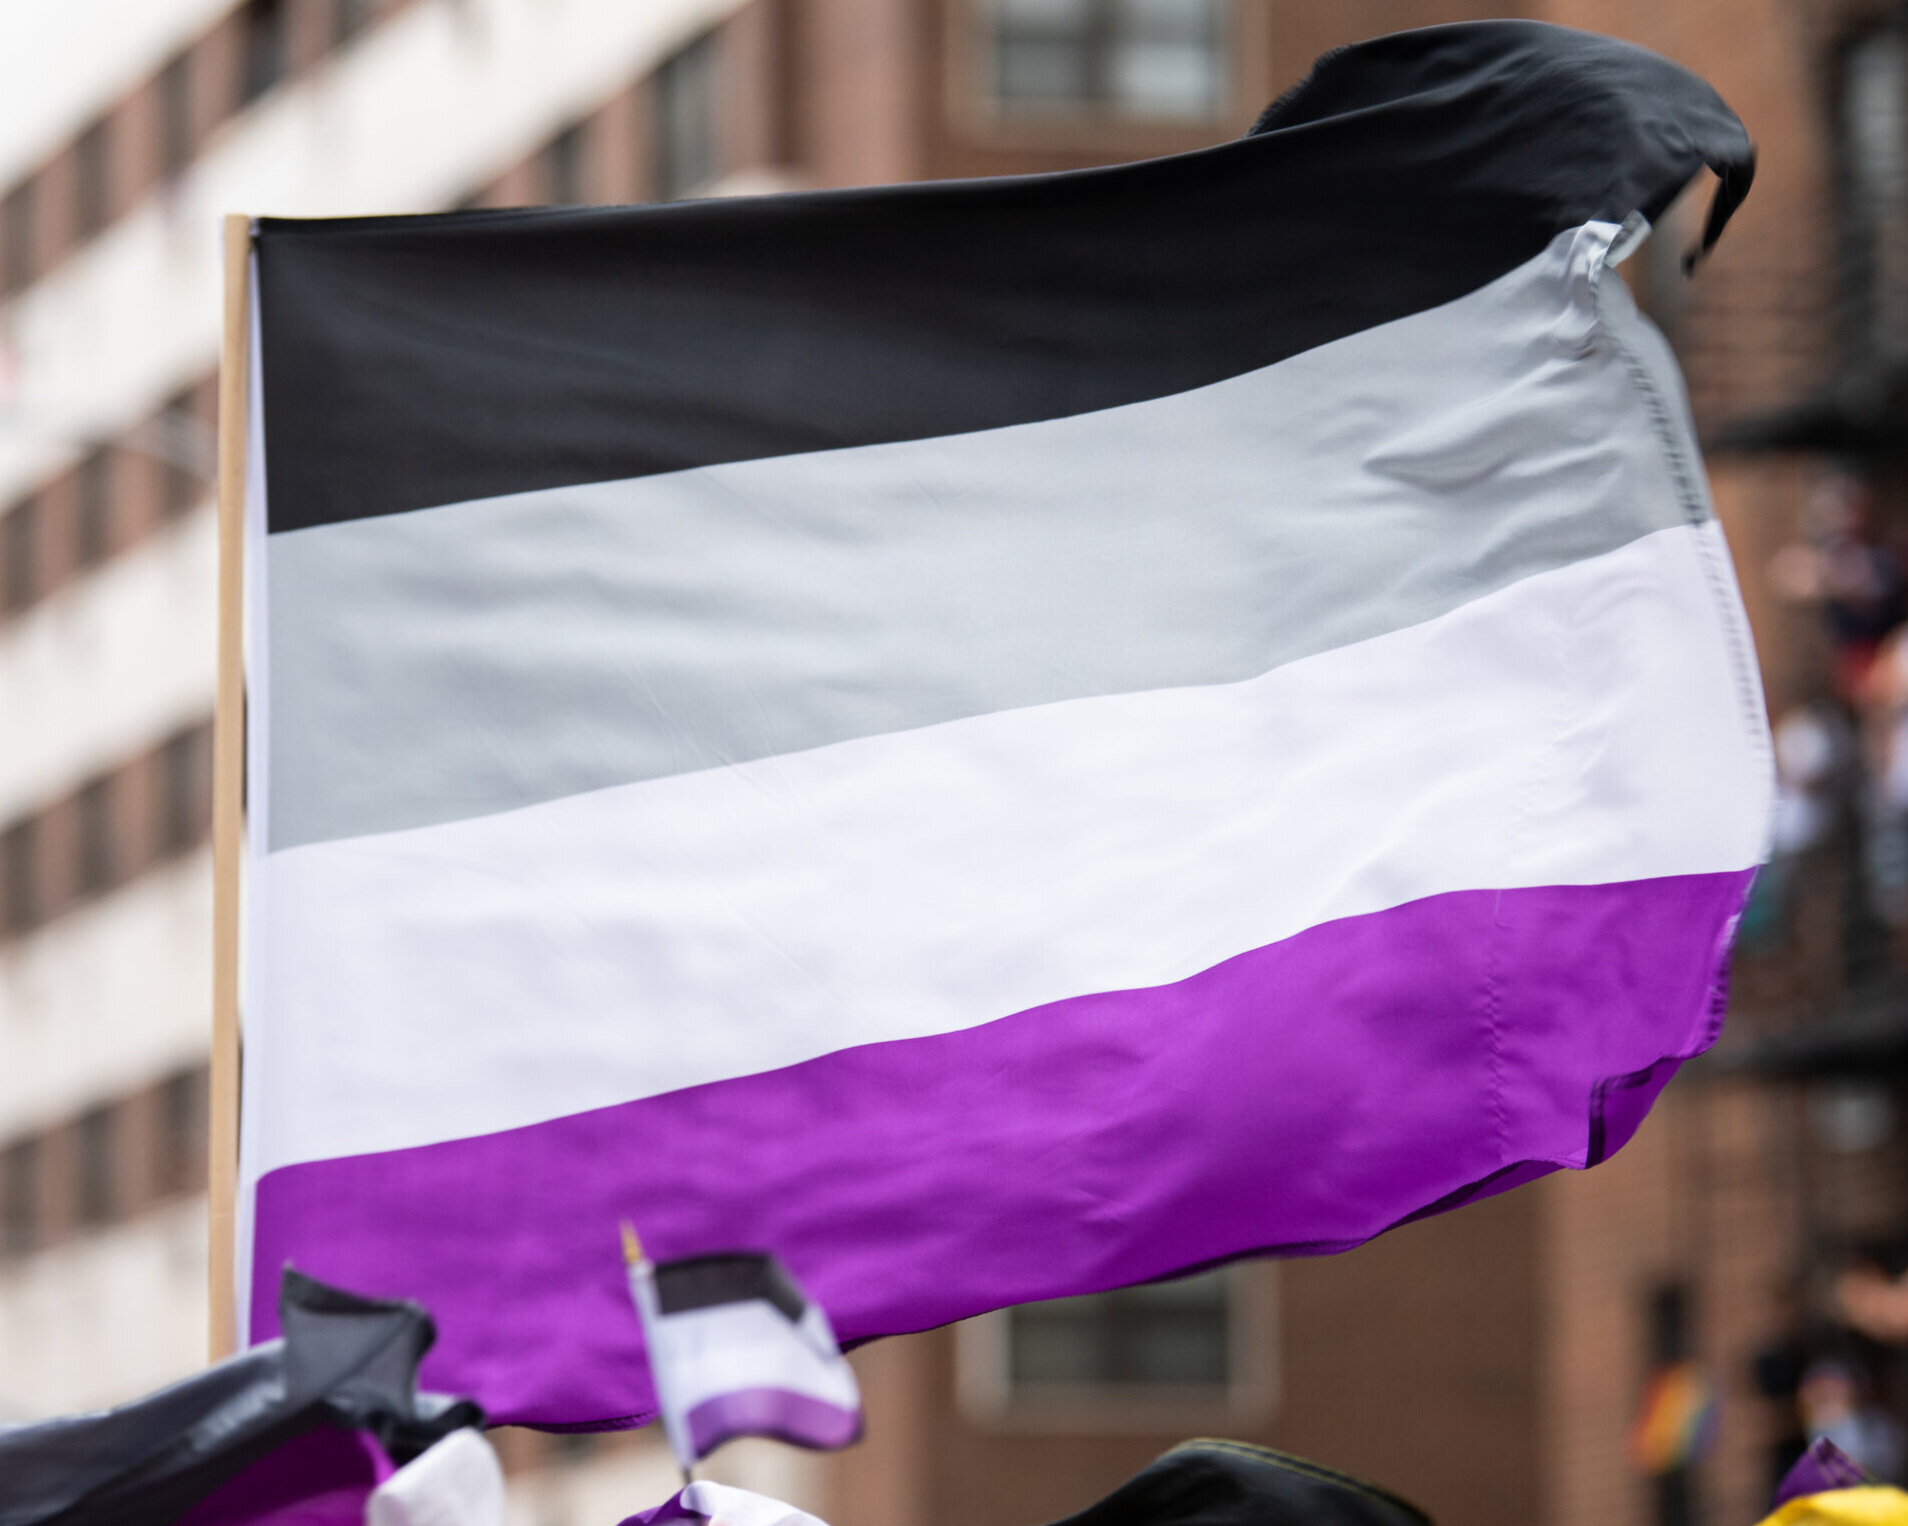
(228,786)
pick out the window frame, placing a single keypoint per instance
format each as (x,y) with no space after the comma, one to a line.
(22,1197)
(975,118)
(20,211)
(700,63)
(98,1192)
(987,1398)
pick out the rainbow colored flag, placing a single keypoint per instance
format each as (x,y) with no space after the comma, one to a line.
(1676,1422)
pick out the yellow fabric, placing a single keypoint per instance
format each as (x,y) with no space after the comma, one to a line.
(1876,1506)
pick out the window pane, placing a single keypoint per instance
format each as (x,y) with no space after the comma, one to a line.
(688,141)
(1141,58)
(185,782)
(1165,79)
(96,836)
(1058,1343)
(1875,148)
(1167,59)
(1033,71)
(179,429)
(1172,1333)
(1064,18)
(263,23)
(352,17)
(20,1183)
(183,1118)
(175,115)
(94,531)
(1179,1346)
(97,1178)
(17,237)
(92,181)
(20,875)
(563,168)
(20,555)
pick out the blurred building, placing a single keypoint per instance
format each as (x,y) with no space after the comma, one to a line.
(1491,1363)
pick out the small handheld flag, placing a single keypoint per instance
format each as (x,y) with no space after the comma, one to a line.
(736,1349)
(1822,1468)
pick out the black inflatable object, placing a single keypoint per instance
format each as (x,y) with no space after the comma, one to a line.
(1230,1483)
(343,1361)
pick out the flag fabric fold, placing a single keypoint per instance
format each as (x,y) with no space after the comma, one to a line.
(996,739)
(301,1429)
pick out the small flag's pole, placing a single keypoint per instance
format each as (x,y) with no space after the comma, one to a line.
(228,773)
(642,1292)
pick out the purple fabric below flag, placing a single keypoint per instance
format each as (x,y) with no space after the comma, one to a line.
(1095,1119)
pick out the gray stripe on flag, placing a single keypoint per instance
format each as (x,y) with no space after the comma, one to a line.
(473,658)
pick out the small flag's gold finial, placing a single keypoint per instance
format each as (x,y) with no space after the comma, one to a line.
(632,1247)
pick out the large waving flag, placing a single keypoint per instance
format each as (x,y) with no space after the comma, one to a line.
(993,739)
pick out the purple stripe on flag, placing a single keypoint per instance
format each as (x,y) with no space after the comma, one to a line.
(322,1478)
(1301,1097)
(791,1417)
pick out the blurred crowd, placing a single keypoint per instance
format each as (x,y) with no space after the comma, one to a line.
(1842,757)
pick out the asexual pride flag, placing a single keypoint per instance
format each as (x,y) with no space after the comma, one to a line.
(993,739)
(736,1349)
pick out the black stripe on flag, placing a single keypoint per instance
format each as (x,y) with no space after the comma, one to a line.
(412,362)
(702,1282)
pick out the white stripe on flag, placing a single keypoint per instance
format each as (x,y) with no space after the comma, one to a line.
(729,1347)
(1584,725)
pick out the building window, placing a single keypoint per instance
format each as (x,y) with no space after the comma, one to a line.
(92,181)
(20,1212)
(97,1135)
(185,787)
(564,181)
(183,1115)
(17,237)
(571,1449)
(688,136)
(351,18)
(20,555)
(1143,59)
(176,137)
(93,530)
(1874,139)
(20,874)
(262,27)
(1199,1345)
(178,435)
(1171,1333)
(94,808)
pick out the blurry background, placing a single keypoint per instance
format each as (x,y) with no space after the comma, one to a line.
(1646,1345)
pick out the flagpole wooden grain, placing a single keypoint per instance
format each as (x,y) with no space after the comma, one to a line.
(228,786)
